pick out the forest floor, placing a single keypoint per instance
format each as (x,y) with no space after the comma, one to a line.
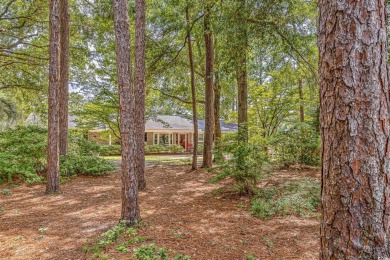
(181,211)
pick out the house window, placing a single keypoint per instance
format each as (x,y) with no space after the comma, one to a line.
(146,137)
(201,138)
(164,139)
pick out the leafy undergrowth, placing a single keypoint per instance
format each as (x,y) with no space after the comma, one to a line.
(301,197)
(123,239)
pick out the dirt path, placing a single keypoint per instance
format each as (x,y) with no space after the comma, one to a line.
(211,226)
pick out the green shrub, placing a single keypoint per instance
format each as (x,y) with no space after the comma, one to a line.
(151,252)
(23,153)
(245,167)
(176,148)
(110,150)
(155,148)
(200,148)
(297,197)
(74,164)
(164,149)
(298,144)
(115,234)
(82,146)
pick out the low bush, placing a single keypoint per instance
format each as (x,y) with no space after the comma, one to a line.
(110,150)
(82,146)
(151,252)
(299,144)
(23,154)
(297,197)
(246,166)
(164,149)
(74,164)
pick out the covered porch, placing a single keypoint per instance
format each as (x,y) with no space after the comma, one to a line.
(170,137)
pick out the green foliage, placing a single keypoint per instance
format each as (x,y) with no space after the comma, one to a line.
(6,192)
(151,252)
(297,144)
(164,149)
(75,164)
(246,166)
(110,150)
(118,232)
(82,146)
(297,197)
(22,154)
(250,257)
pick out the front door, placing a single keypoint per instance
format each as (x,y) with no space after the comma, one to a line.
(183,140)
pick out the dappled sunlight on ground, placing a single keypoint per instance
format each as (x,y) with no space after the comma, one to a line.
(180,209)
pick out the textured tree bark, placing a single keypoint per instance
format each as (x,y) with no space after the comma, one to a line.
(218,156)
(209,92)
(355,130)
(130,210)
(241,74)
(53,167)
(301,108)
(193,95)
(242,84)
(139,91)
(63,95)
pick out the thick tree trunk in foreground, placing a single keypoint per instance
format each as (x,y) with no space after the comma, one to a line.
(139,91)
(53,166)
(130,209)
(355,130)
(301,108)
(193,96)
(209,92)
(63,96)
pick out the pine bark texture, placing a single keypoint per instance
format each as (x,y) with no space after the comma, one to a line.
(63,96)
(139,90)
(241,74)
(53,167)
(209,92)
(193,96)
(130,209)
(218,155)
(355,130)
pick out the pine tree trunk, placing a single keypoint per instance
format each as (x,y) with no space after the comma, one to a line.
(139,91)
(301,108)
(218,155)
(242,100)
(130,210)
(193,95)
(63,96)
(242,81)
(53,167)
(355,130)
(209,92)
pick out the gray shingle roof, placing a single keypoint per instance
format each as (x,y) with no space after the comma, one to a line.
(225,127)
(162,122)
(169,122)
